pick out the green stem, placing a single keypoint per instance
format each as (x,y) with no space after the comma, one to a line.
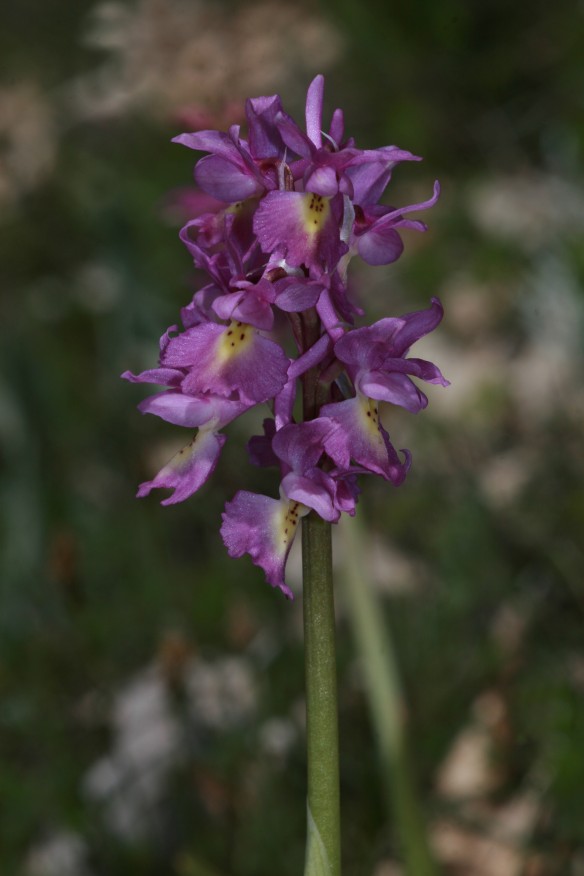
(323,844)
(323,853)
(386,703)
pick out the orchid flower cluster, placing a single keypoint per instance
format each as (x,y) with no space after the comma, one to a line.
(290,209)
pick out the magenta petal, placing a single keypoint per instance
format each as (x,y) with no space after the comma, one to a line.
(280,226)
(264,528)
(195,346)
(387,338)
(259,447)
(192,411)
(314,99)
(227,359)
(293,137)
(295,294)
(347,494)
(311,358)
(371,171)
(303,227)
(380,246)
(366,347)
(189,469)
(159,376)
(395,388)
(362,438)
(247,308)
(315,490)
(225,305)
(258,373)
(226,181)
(416,368)
(265,140)
(337,128)
(416,325)
(284,404)
(300,445)
(216,142)
(174,407)
(322,180)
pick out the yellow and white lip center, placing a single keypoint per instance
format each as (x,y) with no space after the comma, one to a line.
(315,212)
(289,514)
(369,410)
(234,340)
(181,459)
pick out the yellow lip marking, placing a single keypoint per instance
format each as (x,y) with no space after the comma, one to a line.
(234,341)
(287,523)
(315,212)
(370,416)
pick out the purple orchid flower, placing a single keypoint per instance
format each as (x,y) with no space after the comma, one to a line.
(192,466)
(299,447)
(264,527)
(375,357)
(286,209)
(229,173)
(302,228)
(228,359)
(374,234)
(362,439)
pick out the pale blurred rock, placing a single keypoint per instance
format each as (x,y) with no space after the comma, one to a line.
(277,736)
(222,693)
(28,140)
(62,854)
(469,771)
(149,737)
(388,868)
(466,771)
(496,847)
(468,305)
(509,625)
(384,565)
(164,55)
(472,853)
(503,477)
(527,209)
(473,371)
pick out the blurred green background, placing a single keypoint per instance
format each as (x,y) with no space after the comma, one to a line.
(151,689)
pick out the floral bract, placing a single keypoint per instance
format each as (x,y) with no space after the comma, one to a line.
(289,209)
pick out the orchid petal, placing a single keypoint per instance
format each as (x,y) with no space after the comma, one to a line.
(314,100)
(264,528)
(189,469)
(225,180)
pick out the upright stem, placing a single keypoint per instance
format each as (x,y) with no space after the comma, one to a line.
(321,699)
(323,847)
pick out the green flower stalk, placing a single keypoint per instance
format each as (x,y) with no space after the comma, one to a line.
(323,849)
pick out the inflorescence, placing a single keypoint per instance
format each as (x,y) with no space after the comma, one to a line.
(291,209)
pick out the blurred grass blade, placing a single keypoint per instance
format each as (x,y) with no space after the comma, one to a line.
(382,684)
